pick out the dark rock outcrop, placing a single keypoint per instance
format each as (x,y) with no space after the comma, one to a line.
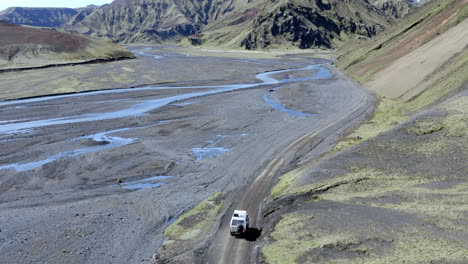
(320,24)
(394,8)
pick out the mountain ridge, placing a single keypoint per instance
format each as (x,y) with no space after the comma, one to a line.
(249,24)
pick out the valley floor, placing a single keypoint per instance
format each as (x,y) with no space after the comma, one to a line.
(98,177)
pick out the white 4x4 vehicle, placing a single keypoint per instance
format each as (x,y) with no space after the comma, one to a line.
(239,223)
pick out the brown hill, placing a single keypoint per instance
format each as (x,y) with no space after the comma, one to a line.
(25,47)
(58,41)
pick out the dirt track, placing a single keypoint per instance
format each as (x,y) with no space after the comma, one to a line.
(74,205)
(355,103)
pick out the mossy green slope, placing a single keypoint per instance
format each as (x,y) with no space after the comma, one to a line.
(399,197)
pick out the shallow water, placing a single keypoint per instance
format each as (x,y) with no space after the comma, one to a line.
(108,142)
(281,108)
(143,185)
(207,152)
(322,73)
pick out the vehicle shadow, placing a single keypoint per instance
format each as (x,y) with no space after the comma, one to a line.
(252,234)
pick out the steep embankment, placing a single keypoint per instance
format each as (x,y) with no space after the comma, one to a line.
(23,47)
(400,196)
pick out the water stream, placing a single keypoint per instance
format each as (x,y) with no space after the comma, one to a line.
(102,140)
(144,106)
(322,73)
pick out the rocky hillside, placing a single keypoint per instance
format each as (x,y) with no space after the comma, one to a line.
(154,21)
(394,8)
(25,47)
(82,13)
(248,23)
(40,17)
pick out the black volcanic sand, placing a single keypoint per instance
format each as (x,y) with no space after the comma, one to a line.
(74,208)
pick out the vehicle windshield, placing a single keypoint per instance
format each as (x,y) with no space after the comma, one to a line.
(237,222)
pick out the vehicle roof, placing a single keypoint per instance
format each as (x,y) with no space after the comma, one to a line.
(239,215)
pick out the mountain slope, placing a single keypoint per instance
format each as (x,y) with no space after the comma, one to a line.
(82,14)
(24,47)
(435,36)
(318,23)
(234,23)
(146,20)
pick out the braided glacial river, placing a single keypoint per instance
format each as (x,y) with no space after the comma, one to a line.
(107,141)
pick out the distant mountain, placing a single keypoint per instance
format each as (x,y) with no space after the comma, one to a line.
(144,20)
(251,24)
(248,23)
(41,17)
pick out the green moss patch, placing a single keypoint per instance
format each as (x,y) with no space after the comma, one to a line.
(196,220)
(387,115)
(284,182)
(189,229)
